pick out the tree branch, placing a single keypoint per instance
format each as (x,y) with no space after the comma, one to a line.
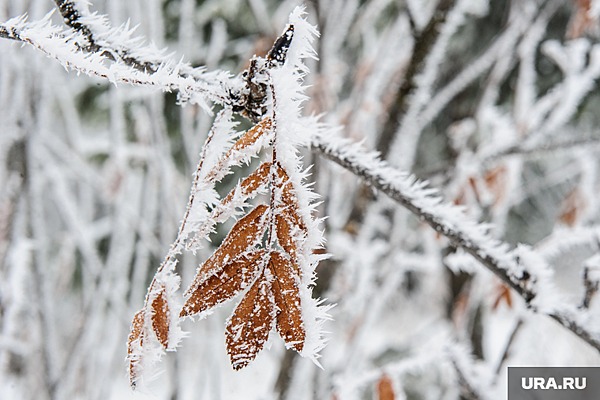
(167,76)
(72,16)
(448,220)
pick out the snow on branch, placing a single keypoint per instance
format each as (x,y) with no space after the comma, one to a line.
(99,37)
(118,44)
(521,269)
(72,49)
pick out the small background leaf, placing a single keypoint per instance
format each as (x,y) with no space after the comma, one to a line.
(385,388)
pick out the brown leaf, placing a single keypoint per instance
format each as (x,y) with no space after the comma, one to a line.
(225,284)
(288,195)
(248,188)
(160,318)
(135,339)
(572,207)
(289,200)
(385,388)
(251,183)
(285,237)
(581,20)
(503,295)
(287,300)
(241,239)
(496,180)
(246,140)
(248,328)
(252,134)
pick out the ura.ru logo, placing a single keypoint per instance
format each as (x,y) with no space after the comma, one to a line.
(553,383)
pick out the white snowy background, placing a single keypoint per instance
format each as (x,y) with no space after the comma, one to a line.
(494,103)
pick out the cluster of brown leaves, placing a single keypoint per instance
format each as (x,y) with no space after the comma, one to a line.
(259,258)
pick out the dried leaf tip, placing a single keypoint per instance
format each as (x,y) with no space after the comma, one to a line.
(247,146)
(278,52)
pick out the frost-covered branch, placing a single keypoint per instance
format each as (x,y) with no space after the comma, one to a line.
(76,19)
(451,221)
(423,202)
(72,51)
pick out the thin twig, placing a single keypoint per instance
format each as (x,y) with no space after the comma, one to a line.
(543,149)
(467,390)
(509,343)
(590,284)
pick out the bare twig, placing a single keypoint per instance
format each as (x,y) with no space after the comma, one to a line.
(509,343)
(590,283)
(467,390)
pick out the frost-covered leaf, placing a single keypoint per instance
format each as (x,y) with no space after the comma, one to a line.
(496,183)
(247,146)
(288,200)
(572,207)
(287,299)
(242,238)
(225,284)
(286,239)
(161,318)
(248,328)
(252,135)
(502,295)
(582,19)
(250,184)
(134,345)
